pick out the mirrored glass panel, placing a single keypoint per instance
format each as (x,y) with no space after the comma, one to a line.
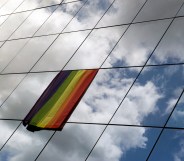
(32,24)
(60,18)
(28,5)
(9,50)
(73,143)
(170,50)
(12,24)
(28,56)
(2,3)
(45,3)
(61,51)
(125,144)
(121,12)
(10,6)
(137,44)
(104,95)
(96,47)
(3,19)
(8,128)
(158,9)
(25,145)
(7,85)
(152,97)
(169,147)
(89,15)
(26,94)
(176,119)
(33,4)
(68,1)
(181,12)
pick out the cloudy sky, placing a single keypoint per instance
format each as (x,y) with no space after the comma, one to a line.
(41,35)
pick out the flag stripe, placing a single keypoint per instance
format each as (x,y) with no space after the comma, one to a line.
(44,110)
(72,99)
(60,101)
(50,90)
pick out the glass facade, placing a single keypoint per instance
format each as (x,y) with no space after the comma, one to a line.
(133,109)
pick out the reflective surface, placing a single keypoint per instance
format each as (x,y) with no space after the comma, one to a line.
(132,104)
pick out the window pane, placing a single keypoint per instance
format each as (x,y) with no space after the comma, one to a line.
(95,49)
(89,15)
(29,54)
(73,143)
(121,12)
(181,13)
(125,144)
(3,19)
(28,5)
(9,50)
(10,6)
(156,9)
(7,84)
(2,3)
(176,119)
(32,24)
(134,50)
(11,24)
(8,128)
(33,4)
(24,97)
(170,50)
(169,147)
(25,145)
(104,95)
(149,101)
(60,18)
(61,51)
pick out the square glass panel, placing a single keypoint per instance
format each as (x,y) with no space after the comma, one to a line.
(8,128)
(176,119)
(26,94)
(137,44)
(12,24)
(28,5)
(121,12)
(96,47)
(32,23)
(33,4)
(73,143)
(25,145)
(148,102)
(28,56)
(60,18)
(104,95)
(61,51)
(7,84)
(181,12)
(89,15)
(124,144)
(10,6)
(170,50)
(158,9)
(9,50)
(2,3)
(3,19)
(45,3)
(169,147)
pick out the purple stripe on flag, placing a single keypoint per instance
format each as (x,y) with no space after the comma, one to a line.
(47,94)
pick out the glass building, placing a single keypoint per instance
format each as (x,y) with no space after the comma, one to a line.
(134,108)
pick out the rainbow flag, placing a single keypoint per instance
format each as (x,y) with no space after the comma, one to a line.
(59,100)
